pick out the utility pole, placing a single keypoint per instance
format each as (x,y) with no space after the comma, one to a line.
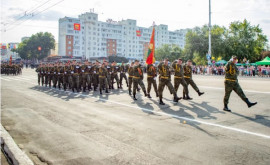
(209,48)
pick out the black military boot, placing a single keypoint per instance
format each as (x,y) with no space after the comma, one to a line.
(161,102)
(100,91)
(73,90)
(112,87)
(134,97)
(249,104)
(145,94)
(226,108)
(129,92)
(188,98)
(176,99)
(107,91)
(184,95)
(127,84)
(200,93)
(84,89)
(149,96)
(95,88)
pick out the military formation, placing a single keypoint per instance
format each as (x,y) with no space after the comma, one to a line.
(105,76)
(11,69)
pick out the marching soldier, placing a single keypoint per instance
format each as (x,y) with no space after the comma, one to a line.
(50,74)
(151,79)
(60,75)
(103,78)
(130,76)
(165,80)
(179,78)
(231,83)
(95,75)
(108,74)
(123,70)
(38,70)
(138,79)
(66,75)
(114,74)
(54,78)
(189,80)
(84,72)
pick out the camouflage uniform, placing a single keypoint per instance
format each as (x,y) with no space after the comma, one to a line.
(123,70)
(179,78)
(103,79)
(114,75)
(151,79)
(130,77)
(138,80)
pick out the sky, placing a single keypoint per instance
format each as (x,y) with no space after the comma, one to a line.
(21,18)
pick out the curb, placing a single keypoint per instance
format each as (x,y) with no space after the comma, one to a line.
(17,156)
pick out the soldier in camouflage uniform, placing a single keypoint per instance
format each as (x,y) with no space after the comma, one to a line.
(165,80)
(60,75)
(123,70)
(103,78)
(108,66)
(95,75)
(130,77)
(137,79)
(114,75)
(66,75)
(151,79)
(179,78)
(231,83)
(189,80)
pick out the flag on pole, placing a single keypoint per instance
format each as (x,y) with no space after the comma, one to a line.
(10,60)
(151,49)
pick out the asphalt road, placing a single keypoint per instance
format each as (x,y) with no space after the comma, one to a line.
(65,128)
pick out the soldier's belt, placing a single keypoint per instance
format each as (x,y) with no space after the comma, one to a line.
(230,80)
(177,77)
(150,76)
(163,77)
(130,76)
(101,76)
(186,76)
(136,77)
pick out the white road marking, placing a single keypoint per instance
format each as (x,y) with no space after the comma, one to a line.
(5,79)
(219,88)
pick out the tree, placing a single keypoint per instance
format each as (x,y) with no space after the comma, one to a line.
(167,51)
(245,41)
(28,49)
(118,59)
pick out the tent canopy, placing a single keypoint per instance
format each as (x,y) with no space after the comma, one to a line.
(265,61)
(221,62)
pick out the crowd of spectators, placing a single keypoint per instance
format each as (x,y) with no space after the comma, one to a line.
(252,71)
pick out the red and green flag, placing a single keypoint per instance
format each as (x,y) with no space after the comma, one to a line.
(151,49)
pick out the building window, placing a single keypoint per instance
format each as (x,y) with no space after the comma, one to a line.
(69,42)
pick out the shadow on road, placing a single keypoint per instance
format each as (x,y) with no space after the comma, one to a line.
(260,119)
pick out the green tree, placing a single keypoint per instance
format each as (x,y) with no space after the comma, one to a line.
(167,51)
(28,49)
(245,41)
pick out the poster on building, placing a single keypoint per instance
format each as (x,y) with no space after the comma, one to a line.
(77,26)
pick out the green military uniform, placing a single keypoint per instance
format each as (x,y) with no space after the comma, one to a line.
(109,79)
(60,74)
(138,80)
(95,76)
(179,78)
(103,79)
(130,77)
(231,83)
(123,70)
(151,79)
(114,76)
(65,76)
(165,80)
(189,80)
(84,73)
(38,70)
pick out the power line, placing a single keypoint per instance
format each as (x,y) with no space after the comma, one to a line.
(36,14)
(9,24)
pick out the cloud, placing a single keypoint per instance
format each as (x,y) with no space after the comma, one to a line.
(50,15)
(265,21)
(15,9)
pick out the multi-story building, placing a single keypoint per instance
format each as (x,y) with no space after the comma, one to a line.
(89,38)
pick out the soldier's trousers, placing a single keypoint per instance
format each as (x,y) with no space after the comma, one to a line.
(60,78)
(136,82)
(150,81)
(49,80)
(40,77)
(70,81)
(123,75)
(115,76)
(54,78)
(229,87)
(65,81)
(109,80)
(76,81)
(95,80)
(103,82)
(86,79)
(192,83)
(130,83)
(177,82)
(162,84)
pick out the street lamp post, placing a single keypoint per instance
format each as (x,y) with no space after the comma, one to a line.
(209,47)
